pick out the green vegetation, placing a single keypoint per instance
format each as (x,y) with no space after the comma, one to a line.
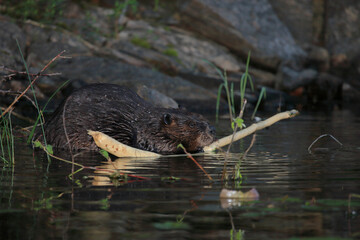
(170,51)
(6,134)
(261,96)
(105,154)
(121,7)
(118,179)
(237,235)
(104,204)
(39,10)
(230,94)
(6,140)
(35,99)
(236,122)
(141,42)
(43,110)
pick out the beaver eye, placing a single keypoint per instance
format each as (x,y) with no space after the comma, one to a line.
(167,119)
(191,125)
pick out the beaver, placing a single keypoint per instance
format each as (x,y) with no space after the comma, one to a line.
(120,113)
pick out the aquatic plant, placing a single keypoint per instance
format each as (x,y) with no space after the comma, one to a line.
(261,96)
(229,90)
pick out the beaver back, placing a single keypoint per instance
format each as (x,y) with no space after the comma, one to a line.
(122,114)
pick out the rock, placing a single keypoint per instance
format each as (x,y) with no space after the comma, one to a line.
(172,50)
(279,101)
(205,80)
(9,33)
(258,76)
(242,26)
(96,69)
(47,42)
(213,81)
(343,32)
(223,62)
(290,79)
(319,58)
(326,88)
(297,15)
(92,23)
(155,97)
(350,94)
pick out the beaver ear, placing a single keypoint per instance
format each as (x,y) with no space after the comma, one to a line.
(167,119)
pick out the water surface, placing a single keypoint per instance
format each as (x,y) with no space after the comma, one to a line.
(300,194)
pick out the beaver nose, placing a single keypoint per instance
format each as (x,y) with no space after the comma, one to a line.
(212,130)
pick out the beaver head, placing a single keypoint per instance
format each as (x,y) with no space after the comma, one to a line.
(176,126)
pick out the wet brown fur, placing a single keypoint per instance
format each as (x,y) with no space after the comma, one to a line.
(123,115)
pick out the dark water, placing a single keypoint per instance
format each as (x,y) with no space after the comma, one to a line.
(300,194)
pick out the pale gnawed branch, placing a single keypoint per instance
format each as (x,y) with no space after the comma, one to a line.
(116,148)
(121,150)
(249,130)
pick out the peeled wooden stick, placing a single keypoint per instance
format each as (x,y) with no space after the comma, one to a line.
(249,130)
(118,149)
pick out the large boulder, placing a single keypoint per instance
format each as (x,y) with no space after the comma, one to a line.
(45,42)
(9,52)
(343,39)
(172,50)
(242,26)
(94,69)
(297,16)
(343,32)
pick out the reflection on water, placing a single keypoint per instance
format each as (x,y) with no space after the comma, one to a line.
(300,194)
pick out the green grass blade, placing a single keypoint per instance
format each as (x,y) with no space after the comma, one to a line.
(32,132)
(232,98)
(33,91)
(216,69)
(43,110)
(261,96)
(11,136)
(251,82)
(218,102)
(243,81)
(29,78)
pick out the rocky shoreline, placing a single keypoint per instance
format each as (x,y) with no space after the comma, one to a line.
(307,58)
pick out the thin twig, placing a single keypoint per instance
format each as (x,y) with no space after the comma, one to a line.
(192,158)
(251,129)
(15,72)
(66,135)
(18,93)
(250,146)
(324,135)
(236,125)
(32,82)
(232,139)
